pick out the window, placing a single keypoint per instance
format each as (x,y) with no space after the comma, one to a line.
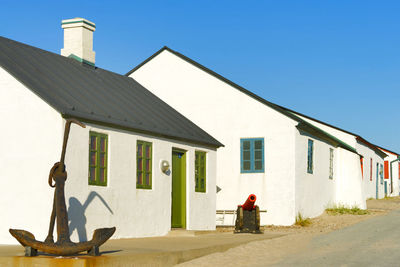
(381,173)
(143,167)
(310,156)
(252,155)
(98,159)
(330,163)
(200,171)
(386,170)
(370,169)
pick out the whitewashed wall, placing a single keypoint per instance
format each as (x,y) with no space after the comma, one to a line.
(135,212)
(229,115)
(314,192)
(349,190)
(30,141)
(369,186)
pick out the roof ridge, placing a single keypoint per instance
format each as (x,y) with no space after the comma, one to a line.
(246,91)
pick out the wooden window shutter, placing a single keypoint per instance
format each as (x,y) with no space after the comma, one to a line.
(386,169)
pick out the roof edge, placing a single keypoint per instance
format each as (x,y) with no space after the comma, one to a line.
(129,129)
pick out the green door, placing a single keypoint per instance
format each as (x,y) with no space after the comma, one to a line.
(178,217)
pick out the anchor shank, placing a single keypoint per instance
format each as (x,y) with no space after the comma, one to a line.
(61,209)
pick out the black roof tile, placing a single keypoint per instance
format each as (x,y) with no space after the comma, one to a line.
(96,95)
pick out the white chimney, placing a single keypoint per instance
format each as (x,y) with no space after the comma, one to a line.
(78,40)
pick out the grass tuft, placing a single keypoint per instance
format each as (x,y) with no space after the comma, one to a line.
(336,210)
(302,221)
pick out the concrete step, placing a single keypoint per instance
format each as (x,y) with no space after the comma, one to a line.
(183,232)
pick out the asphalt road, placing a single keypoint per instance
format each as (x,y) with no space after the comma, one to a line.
(374,242)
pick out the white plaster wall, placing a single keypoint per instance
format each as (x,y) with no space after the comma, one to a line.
(134,212)
(229,115)
(30,141)
(314,192)
(369,186)
(349,190)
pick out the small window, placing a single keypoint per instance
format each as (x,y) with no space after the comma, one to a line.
(98,144)
(144,165)
(381,172)
(330,163)
(252,155)
(310,156)
(200,171)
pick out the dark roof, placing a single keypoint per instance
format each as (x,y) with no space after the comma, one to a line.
(96,95)
(358,138)
(387,150)
(304,125)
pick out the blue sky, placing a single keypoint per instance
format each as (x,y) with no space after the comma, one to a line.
(337,61)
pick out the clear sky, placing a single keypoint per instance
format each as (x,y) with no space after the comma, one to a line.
(337,61)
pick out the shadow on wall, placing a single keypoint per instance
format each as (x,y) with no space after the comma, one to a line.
(76,214)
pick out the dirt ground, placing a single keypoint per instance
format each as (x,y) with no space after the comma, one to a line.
(268,252)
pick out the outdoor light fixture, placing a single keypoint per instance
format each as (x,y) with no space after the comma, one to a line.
(165,166)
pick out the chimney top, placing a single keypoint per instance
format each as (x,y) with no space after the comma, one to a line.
(78,22)
(78,40)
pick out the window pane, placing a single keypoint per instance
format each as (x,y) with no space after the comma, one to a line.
(258,165)
(139,180)
(102,175)
(246,155)
(246,165)
(93,142)
(246,145)
(147,179)
(202,184)
(92,174)
(258,144)
(102,144)
(148,151)
(102,159)
(258,155)
(139,165)
(139,150)
(148,165)
(92,158)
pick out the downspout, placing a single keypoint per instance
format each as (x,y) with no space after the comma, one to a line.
(391,175)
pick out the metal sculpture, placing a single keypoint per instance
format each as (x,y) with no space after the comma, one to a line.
(248,217)
(63,246)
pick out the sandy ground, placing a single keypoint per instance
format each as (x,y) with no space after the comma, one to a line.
(268,252)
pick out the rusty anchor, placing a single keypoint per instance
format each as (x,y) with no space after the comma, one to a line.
(63,246)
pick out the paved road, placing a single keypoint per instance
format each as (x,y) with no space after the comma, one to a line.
(374,242)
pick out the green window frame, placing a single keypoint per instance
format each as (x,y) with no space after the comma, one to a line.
(200,171)
(144,158)
(310,156)
(98,157)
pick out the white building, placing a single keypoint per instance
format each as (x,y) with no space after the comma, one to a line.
(290,164)
(114,174)
(371,157)
(391,173)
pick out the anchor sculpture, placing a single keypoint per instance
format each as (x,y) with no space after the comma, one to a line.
(63,246)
